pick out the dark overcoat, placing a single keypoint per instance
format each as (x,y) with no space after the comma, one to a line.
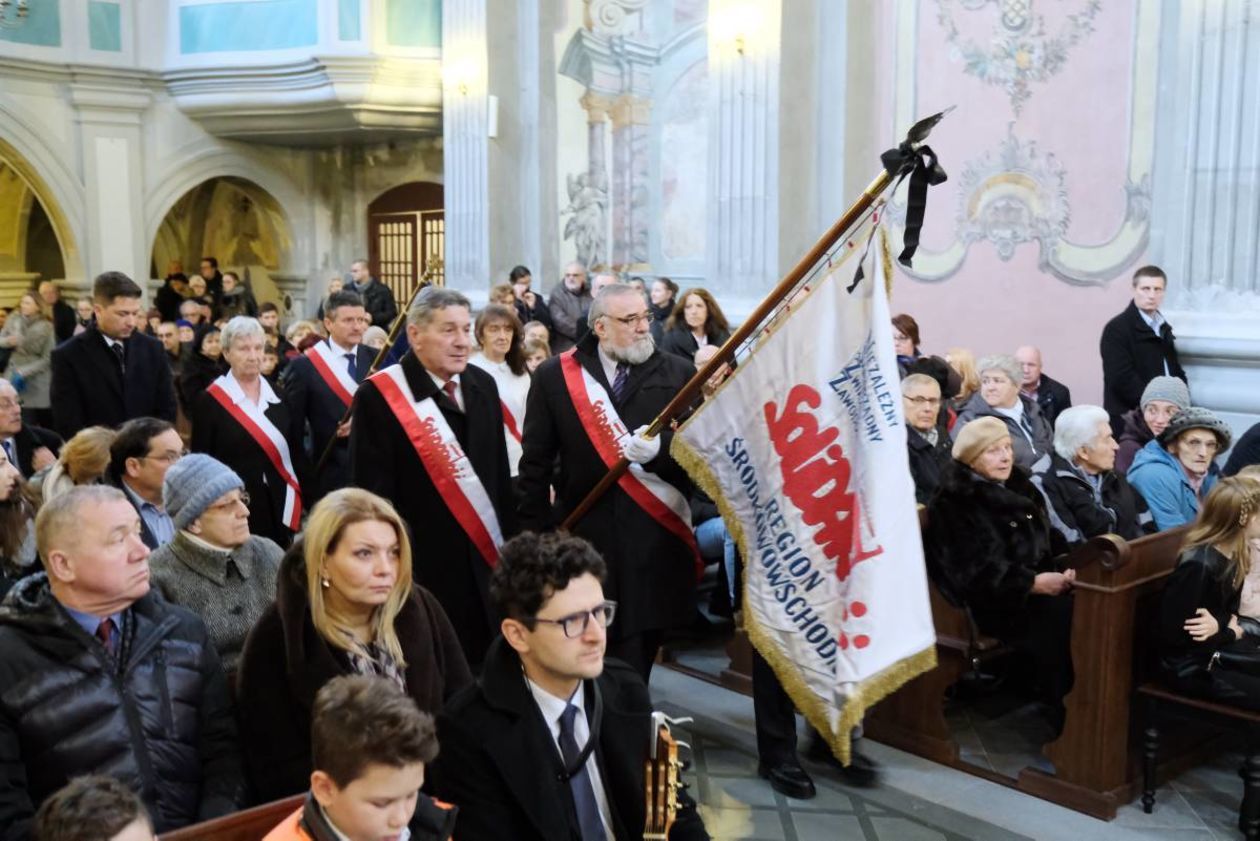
(1132,355)
(651,572)
(384,461)
(88,389)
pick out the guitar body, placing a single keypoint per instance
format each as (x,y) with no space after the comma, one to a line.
(661,783)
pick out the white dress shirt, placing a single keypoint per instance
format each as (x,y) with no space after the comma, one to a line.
(552,708)
(459,388)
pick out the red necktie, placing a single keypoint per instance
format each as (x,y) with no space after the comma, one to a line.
(105,633)
(449,387)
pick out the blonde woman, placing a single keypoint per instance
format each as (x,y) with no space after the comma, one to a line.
(964,362)
(83,461)
(345,604)
(1205,648)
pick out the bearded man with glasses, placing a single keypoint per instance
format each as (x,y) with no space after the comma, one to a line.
(587,408)
(551,741)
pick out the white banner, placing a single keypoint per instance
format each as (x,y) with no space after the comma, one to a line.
(804,450)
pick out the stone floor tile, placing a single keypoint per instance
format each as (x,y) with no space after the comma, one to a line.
(740,823)
(820,826)
(1172,810)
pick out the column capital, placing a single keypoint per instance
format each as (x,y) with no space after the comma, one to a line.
(596,105)
(629,109)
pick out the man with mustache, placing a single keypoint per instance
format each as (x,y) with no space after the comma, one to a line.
(588,407)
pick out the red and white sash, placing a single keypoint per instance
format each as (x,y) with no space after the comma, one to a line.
(332,369)
(444,460)
(269,439)
(605,429)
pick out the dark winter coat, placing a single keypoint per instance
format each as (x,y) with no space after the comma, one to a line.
(161,720)
(216,433)
(378,300)
(1134,435)
(1246,451)
(240,301)
(568,311)
(1026,455)
(1052,398)
(27,441)
(383,460)
(286,662)
(64,320)
(1131,356)
(681,342)
(540,312)
(88,389)
(651,572)
(1078,514)
(985,543)
(928,462)
(660,315)
(195,376)
(167,300)
(500,764)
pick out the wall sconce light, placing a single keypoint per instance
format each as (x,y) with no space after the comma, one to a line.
(736,22)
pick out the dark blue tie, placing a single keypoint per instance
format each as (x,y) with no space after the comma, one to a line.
(580,783)
(351,367)
(619,380)
(8,450)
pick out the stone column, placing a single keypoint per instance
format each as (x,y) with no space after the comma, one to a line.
(631,120)
(465,145)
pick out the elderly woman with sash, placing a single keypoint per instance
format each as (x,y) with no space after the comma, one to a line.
(427,434)
(498,331)
(241,421)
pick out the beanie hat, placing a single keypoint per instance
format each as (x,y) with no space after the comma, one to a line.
(1169,389)
(1197,417)
(192,485)
(977,436)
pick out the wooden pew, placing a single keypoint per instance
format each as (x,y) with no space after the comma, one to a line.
(249,825)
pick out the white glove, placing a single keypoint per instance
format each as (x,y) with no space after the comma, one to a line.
(639,448)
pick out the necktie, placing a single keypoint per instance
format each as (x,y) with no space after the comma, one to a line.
(105,633)
(351,367)
(118,354)
(8,451)
(580,783)
(619,380)
(450,387)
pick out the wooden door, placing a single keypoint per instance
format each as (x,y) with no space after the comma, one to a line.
(407,237)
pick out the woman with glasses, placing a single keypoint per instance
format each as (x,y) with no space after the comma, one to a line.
(499,334)
(697,321)
(1176,471)
(213,566)
(1031,436)
(345,604)
(241,421)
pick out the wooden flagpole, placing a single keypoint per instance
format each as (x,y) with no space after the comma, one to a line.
(903,163)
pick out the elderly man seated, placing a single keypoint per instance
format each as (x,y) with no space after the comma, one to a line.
(1087,496)
(100,675)
(29,448)
(927,440)
(999,397)
(214,566)
(1175,471)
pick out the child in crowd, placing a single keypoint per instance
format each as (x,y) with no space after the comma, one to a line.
(1249,600)
(369,744)
(95,808)
(535,353)
(536,331)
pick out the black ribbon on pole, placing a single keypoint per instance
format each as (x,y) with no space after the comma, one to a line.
(921,164)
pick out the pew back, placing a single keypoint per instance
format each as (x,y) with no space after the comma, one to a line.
(249,825)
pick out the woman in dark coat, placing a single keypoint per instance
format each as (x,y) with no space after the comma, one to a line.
(1206,648)
(990,548)
(202,365)
(697,321)
(661,295)
(345,604)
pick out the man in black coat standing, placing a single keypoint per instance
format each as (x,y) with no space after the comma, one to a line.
(589,406)
(427,434)
(63,315)
(111,372)
(378,300)
(320,386)
(1050,395)
(550,743)
(1136,345)
(147,684)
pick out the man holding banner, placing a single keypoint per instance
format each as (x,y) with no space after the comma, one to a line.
(588,407)
(428,436)
(320,386)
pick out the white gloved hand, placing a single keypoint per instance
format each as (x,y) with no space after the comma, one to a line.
(639,448)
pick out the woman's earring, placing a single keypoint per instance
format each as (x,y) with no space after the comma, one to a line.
(324,581)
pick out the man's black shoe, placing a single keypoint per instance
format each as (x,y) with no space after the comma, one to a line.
(789,780)
(861,772)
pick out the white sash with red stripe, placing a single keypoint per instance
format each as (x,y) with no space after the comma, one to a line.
(332,369)
(269,439)
(605,429)
(444,460)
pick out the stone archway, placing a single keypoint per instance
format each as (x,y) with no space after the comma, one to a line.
(35,243)
(234,220)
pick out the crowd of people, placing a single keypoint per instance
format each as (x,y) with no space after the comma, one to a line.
(264,567)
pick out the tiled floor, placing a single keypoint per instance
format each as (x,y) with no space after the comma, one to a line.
(917,799)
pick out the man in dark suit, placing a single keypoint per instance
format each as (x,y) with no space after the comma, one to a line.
(1136,345)
(143,450)
(651,562)
(320,386)
(550,743)
(31,448)
(111,372)
(378,300)
(1050,395)
(427,435)
(63,316)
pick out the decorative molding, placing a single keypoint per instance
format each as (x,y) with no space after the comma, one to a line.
(613,17)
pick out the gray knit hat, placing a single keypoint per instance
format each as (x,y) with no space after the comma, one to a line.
(1170,389)
(1197,417)
(192,485)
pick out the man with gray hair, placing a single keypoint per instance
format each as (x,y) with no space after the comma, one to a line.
(147,684)
(568,302)
(428,436)
(1085,494)
(589,407)
(927,438)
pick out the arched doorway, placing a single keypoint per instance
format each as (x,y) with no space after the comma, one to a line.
(233,220)
(407,237)
(31,246)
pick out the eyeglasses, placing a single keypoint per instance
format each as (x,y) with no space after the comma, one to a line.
(243,499)
(633,320)
(575,624)
(170,458)
(923,401)
(8,404)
